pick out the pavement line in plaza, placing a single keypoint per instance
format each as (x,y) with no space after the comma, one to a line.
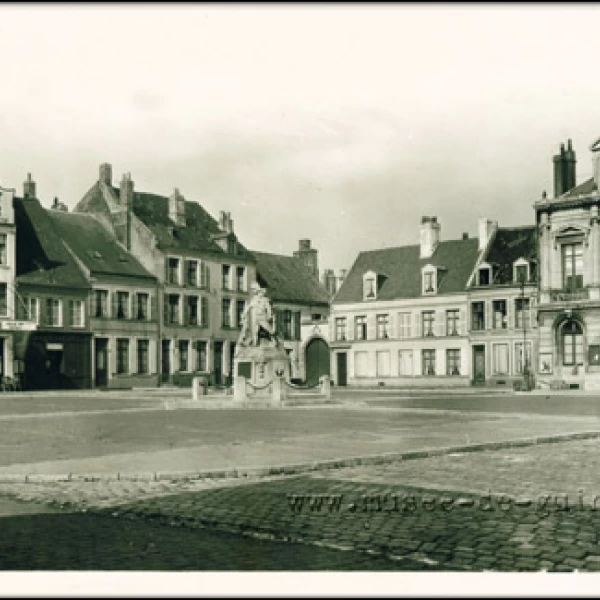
(298,469)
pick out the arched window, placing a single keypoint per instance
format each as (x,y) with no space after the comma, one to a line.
(572,343)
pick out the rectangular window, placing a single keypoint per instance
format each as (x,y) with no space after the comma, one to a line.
(240,305)
(122,356)
(428,362)
(499,312)
(361,364)
(521,273)
(383,363)
(201,356)
(192,310)
(428,282)
(173,311)
(297,325)
(76,313)
(360,325)
(143,354)
(404,320)
(405,363)
(226,312)
(184,346)
(142,306)
(3,299)
(287,324)
(226,273)
(3,251)
(522,313)
(572,255)
(484,276)
(53,316)
(452,319)
(101,304)
(241,279)
(578,353)
(192,273)
(453,362)
(428,322)
(500,359)
(33,310)
(478,316)
(383,327)
(173,270)
(340,329)
(122,305)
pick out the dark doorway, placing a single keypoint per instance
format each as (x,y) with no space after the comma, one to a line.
(479,365)
(101,354)
(218,363)
(165,361)
(342,369)
(317,361)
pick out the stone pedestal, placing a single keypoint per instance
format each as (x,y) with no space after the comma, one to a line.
(260,373)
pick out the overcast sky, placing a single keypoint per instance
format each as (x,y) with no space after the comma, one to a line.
(342,124)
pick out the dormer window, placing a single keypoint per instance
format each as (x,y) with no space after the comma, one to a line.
(370,285)
(521,271)
(484,275)
(429,279)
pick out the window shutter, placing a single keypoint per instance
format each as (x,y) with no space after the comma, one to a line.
(207,276)
(297,331)
(185,310)
(166,309)
(204,311)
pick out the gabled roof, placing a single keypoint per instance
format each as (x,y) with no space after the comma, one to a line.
(95,246)
(510,244)
(42,257)
(402,266)
(153,211)
(287,279)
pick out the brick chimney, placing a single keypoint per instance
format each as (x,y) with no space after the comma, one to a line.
(486,228)
(430,236)
(126,191)
(329,281)
(177,208)
(105,174)
(309,256)
(564,169)
(225,222)
(29,187)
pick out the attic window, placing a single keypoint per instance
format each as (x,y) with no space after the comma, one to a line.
(521,271)
(429,278)
(484,276)
(370,286)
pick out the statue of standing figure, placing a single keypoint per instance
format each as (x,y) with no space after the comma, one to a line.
(257,315)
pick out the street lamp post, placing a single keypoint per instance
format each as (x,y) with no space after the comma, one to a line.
(524,354)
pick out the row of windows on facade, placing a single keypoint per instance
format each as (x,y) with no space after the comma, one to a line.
(430,363)
(191,356)
(428,321)
(197,274)
(195,312)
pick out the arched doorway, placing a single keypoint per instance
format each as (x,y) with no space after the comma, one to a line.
(317,360)
(572,344)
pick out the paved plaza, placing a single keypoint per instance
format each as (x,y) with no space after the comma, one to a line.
(374,482)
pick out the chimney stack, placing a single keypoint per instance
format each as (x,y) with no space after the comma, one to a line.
(309,256)
(29,188)
(177,208)
(486,229)
(430,236)
(126,191)
(105,174)
(225,221)
(564,169)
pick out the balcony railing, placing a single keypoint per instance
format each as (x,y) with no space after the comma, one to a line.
(570,296)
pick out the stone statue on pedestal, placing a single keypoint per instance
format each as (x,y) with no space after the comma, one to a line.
(257,318)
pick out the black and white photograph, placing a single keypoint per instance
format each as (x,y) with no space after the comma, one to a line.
(299,298)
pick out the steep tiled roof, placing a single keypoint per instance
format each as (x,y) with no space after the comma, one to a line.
(94,245)
(587,187)
(287,279)
(42,257)
(510,244)
(401,268)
